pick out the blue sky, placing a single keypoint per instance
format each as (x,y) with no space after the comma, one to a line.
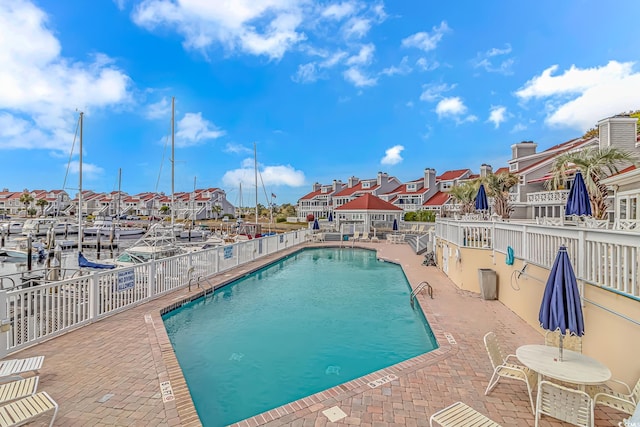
(324,89)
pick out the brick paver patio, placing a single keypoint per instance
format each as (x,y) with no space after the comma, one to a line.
(110,373)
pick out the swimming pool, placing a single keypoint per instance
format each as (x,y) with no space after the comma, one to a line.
(316,319)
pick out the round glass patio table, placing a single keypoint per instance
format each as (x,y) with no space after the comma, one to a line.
(575,367)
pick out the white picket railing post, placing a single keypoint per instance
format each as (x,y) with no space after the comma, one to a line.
(5,325)
(153,288)
(94,297)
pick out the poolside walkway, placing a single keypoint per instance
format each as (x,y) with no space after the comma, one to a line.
(110,373)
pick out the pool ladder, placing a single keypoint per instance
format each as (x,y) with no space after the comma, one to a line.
(418,288)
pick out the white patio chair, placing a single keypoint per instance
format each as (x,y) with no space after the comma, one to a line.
(365,237)
(356,236)
(502,368)
(569,342)
(624,402)
(566,404)
(461,415)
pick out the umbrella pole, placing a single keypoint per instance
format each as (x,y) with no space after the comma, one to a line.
(560,346)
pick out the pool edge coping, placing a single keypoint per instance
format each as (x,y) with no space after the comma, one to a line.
(317,401)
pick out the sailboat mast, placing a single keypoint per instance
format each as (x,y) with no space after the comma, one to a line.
(80,187)
(255,170)
(119,196)
(173,136)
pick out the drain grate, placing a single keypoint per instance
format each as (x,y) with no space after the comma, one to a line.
(450,338)
(383,380)
(334,414)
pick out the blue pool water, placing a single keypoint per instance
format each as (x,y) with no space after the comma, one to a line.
(316,319)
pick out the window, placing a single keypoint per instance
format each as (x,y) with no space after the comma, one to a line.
(366,185)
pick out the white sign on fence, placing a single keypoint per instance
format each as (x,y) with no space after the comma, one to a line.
(126,279)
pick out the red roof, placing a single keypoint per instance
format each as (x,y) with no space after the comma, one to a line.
(451,175)
(368,202)
(501,170)
(438,199)
(566,146)
(311,195)
(625,170)
(356,188)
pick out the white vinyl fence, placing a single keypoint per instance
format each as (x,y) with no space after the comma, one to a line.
(601,257)
(40,312)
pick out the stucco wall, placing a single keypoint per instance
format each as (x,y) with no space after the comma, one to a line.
(608,338)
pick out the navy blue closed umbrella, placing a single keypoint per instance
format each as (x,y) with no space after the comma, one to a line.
(578,202)
(330,216)
(561,308)
(482,204)
(316,226)
(395,224)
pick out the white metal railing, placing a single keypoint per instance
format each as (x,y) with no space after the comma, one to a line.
(49,309)
(548,197)
(606,258)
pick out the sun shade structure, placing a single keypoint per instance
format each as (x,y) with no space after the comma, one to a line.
(578,202)
(330,219)
(395,224)
(561,308)
(316,226)
(482,204)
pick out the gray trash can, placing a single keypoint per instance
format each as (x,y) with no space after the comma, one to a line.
(488,283)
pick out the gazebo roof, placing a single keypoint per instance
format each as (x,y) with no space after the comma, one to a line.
(368,202)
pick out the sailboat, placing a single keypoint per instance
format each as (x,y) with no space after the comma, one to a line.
(249,230)
(160,240)
(82,261)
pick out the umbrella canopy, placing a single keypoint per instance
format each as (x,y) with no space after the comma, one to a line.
(561,308)
(316,226)
(482,204)
(578,202)
(330,216)
(395,224)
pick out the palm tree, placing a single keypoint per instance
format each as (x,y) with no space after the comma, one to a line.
(595,164)
(498,186)
(26,199)
(41,203)
(465,195)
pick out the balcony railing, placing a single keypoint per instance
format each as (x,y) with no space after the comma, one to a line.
(605,258)
(557,197)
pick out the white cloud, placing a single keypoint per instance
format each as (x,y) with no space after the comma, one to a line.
(41,90)
(425,41)
(339,11)
(159,110)
(356,27)
(486,60)
(333,59)
(364,56)
(519,127)
(307,73)
(432,92)
(355,76)
(454,108)
(578,98)
(497,115)
(192,130)
(392,155)
(258,27)
(285,175)
(403,68)
(424,65)
(237,148)
(89,170)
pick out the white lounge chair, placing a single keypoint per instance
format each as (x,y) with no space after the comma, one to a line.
(15,367)
(461,415)
(566,404)
(356,236)
(502,368)
(18,389)
(365,237)
(28,408)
